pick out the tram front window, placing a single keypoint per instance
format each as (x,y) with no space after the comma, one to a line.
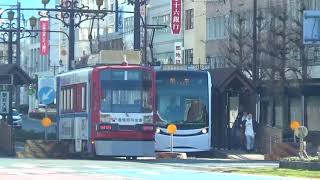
(126,91)
(182,100)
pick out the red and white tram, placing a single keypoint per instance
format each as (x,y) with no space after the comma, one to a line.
(108,110)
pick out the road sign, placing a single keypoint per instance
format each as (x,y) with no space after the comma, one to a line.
(4,102)
(172,129)
(311,27)
(295,124)
(46,90)
(46,122)
(46,95)
(301,132)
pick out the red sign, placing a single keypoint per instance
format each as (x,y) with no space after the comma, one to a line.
(44,36)
(176,19)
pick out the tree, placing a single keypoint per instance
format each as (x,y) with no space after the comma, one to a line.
(237,49)
(277,37)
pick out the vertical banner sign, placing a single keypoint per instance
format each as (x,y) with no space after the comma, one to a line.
(178,53)
(176,19)
(44,36)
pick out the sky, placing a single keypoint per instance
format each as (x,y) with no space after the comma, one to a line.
(5,4)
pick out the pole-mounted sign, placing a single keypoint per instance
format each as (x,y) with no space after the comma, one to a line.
(172,129)
(4,102)
(44,36)
(176,17)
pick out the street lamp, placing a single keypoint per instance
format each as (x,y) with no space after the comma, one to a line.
(71,13)
(99,3)
(45,2)
(33,22)
(10,15)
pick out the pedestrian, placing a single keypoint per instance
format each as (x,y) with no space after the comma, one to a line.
(237,133)
(244,116)
(242,128)
(250,126)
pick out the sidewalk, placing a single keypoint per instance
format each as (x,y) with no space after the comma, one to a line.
(239,155)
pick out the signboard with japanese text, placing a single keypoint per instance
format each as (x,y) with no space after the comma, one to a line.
(176,17)
(178,53)
(4,102)
(44,36)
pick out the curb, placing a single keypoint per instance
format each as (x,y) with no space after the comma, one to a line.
(171,155)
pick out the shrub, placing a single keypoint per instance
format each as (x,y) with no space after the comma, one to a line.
(313,138)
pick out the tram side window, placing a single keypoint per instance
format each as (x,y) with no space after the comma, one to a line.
(83,97)
(61,100)
(71,101)
(74,98)
(67,99)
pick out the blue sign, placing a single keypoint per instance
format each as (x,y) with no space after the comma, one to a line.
(311,27)
(46,95)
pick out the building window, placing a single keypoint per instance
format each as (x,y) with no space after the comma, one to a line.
(217,62)
(216,28)
(128,25)
(189,19)
(162,20)
(83,34)
(188,56)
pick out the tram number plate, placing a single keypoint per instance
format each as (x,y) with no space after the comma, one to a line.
(104,127)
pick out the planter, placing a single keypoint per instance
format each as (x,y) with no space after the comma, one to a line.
(299,165)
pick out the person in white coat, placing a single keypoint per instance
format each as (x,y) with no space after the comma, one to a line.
(250,131)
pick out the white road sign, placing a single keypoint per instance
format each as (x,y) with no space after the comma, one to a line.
(4,102)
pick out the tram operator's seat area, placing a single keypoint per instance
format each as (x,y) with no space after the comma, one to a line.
(195,112)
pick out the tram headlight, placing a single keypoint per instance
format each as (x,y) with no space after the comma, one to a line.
(204,131)
(158,130)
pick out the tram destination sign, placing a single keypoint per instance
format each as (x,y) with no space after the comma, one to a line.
(6,79)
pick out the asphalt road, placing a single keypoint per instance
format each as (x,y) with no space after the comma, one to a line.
(25,169)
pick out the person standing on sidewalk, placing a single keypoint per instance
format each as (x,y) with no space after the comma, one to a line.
(250,131)
(242,130)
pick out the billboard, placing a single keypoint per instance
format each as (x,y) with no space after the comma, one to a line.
(311,27)
(176,17)
(44,36)
(177,53)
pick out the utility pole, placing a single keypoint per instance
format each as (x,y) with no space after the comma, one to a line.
(18,53)
(18,47)
(72,37)
(136,35)
(254,38)
(254,61)
(145,32)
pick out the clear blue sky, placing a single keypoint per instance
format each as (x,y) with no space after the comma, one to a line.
(5,4)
